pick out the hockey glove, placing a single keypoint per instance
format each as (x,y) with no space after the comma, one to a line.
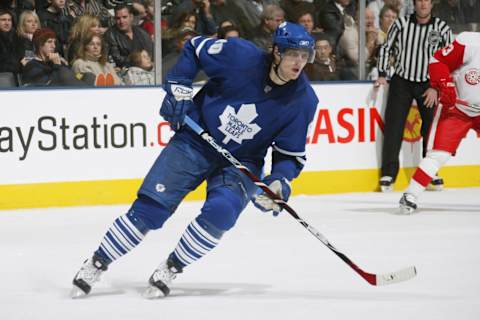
(447,92)
(280,186)
(176,104)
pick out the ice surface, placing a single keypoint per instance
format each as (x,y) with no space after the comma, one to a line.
(265,268)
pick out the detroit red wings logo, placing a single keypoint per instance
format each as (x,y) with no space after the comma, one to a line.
(472,77)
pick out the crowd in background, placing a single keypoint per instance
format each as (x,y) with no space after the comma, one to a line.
(111,42)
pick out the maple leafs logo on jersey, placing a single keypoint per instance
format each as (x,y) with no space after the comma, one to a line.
(237,126)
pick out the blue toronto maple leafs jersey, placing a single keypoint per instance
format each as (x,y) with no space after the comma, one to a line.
(244,111)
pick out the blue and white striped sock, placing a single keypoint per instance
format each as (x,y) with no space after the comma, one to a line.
(196,242)
(120,239)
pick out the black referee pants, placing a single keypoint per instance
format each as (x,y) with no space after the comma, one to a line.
(400,97)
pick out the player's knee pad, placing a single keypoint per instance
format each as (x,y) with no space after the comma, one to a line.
(147,214)
(222,208)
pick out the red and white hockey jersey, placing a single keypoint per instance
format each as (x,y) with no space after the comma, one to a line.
(461,60)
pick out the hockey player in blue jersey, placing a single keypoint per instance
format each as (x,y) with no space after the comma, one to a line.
(252,101)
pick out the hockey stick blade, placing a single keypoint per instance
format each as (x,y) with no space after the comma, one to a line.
(373,279)
(395,277)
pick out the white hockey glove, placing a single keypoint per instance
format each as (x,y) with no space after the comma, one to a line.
(280,186)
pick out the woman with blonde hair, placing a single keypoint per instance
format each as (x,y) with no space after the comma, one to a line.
(28,23)
(92,58)
(82,26)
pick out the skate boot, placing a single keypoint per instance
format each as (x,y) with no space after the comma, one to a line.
(161,279)
(89,274)
(386,184)
(436,184)
(408,204)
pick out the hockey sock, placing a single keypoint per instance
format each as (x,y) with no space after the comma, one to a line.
(426,170)
(197,240)
(124,235)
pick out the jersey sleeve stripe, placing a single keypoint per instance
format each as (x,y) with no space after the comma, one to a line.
(289,153)
(200,46)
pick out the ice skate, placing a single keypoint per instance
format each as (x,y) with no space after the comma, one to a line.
(85,278)
(160,280)
(436,184)
(386,184)
(408,204)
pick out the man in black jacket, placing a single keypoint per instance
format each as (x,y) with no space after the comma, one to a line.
(9,57)
(124,37)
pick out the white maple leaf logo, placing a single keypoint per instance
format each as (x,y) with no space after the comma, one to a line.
(238,126)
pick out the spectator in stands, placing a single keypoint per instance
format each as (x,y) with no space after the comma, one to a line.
(28,23)
(125,38)
(325,66)
(349,41)
(96,8)
(141,70)
(294,7)
(82,26)
(170,59)
(388,15)
(147,22)
(228,32)
(272,17)
(57,19)
(48,67)
(242,13)
(205,23)
(305,18)
(92,58)
(450,12)
(403,7)
(9,54)
(332,19)
(180,39)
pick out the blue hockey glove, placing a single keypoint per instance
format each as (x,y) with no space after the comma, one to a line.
(176,104)
(280,186)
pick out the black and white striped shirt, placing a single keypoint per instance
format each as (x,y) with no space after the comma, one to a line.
(412,45)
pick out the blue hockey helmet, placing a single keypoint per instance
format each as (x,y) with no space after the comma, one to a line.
(294,36)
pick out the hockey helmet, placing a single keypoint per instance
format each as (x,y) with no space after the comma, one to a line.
(294,36)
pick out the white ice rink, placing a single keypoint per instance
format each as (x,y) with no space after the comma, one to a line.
(265,268)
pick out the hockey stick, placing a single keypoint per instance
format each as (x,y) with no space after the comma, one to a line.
(475,107)
(373,279)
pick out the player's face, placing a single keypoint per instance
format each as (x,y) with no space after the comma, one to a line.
(292,63)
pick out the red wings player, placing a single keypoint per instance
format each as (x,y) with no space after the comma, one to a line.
(455,73)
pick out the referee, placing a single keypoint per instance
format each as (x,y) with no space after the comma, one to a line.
(411,42)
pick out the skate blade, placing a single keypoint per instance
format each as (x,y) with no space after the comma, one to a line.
(77,293)
(386,188)
(405,211)
(153,292)
(432,187)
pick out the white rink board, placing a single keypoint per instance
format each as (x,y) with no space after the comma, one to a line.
(58,120)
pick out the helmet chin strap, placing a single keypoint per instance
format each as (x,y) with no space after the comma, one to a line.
(275,69)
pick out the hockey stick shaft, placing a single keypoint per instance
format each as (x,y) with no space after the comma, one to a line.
(369,277)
